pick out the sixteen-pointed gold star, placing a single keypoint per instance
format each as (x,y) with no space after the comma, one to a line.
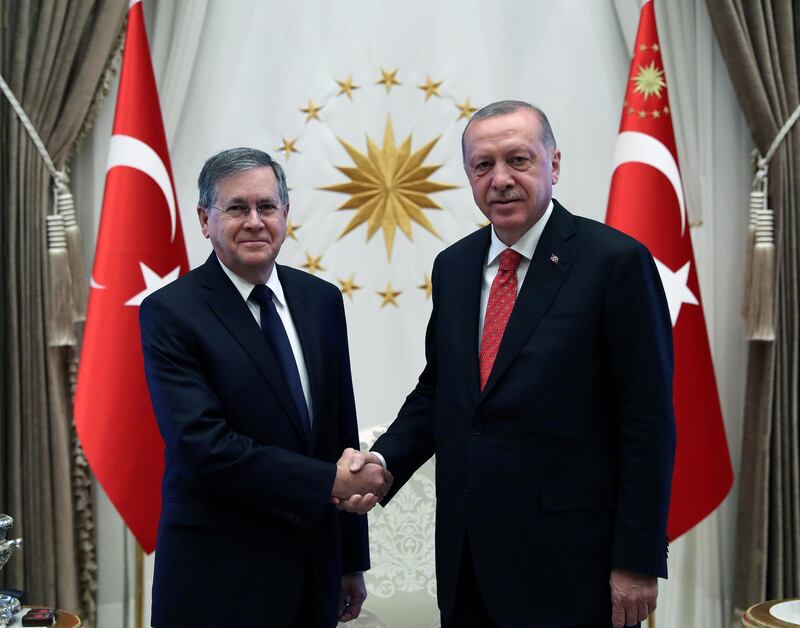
(466,109)
(655,48)
(347,86)
(649,81)
(312,111)
(427,286)
(348,286)
(291,229)
(389,187)
(389,295)
(656,114)
(313,264)
(388,79)
(288,147)
(430,87)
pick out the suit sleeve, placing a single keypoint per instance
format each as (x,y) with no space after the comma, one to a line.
(355,542)
(639,348)
(409,441)
(201,442)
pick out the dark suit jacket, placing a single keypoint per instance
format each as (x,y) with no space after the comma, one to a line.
(245,521)
(562,467)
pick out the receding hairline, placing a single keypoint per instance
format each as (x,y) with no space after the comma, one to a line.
(507,107)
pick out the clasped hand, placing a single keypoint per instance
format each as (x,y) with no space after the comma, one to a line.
(361,481)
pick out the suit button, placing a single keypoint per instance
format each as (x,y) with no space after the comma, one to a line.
(477,429)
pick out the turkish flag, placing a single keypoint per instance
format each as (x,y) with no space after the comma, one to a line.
(139,249)
(647,202)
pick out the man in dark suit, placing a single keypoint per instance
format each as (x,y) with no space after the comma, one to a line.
(249,374)
(547,399)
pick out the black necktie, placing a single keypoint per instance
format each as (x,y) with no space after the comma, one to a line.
(275,333)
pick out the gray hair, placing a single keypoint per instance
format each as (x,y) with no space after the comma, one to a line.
(233,161)
(505,107)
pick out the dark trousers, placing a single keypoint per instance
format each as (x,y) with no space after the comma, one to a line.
(469,611)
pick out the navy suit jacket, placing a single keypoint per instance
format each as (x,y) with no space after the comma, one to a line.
(246,526)
(561,468)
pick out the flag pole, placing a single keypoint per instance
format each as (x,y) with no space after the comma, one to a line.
(651,620)
(139,590)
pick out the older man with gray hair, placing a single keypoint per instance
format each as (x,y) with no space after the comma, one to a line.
(249,374)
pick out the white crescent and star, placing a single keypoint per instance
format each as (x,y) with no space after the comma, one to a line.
(676,288)
(131,152)
(152,282)
(633,146)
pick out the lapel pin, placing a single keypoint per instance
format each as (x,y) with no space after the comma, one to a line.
(554,258)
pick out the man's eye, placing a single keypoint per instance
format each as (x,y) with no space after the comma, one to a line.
(482,166)
(519,161)
(236,210)
(265,209)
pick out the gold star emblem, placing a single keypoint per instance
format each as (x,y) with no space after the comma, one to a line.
(388,79)
(312,111)
(642,114)
(430,87)
(313,264)
(466,109)
(288,147)
(348,286)
(347,86)
(389,295)
(649,81)
(665,110)
(631,111)
(426,286)
(656,114)
(642,47)
(291,229)
(389,187)
(655,48)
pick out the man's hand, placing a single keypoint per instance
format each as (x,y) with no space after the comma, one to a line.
(360,481)
(633,597)
(353,594)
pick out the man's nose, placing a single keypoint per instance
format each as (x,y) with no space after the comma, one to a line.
(502,178)
(253,220)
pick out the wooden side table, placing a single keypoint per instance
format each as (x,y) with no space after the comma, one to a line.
(64,619)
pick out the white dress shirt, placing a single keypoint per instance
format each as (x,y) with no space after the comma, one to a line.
(273,283)
(525,246)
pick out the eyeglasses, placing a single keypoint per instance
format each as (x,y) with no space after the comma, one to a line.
(238,210)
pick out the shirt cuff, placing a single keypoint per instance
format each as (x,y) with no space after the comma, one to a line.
(380,457)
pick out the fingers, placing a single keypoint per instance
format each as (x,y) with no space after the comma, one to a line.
(353,594)
(617,616)
(633,597)
(358,504)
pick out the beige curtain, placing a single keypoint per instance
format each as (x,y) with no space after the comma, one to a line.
(53,55)
(758,40)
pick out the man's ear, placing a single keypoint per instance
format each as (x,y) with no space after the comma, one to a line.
(202,216)
(555,161)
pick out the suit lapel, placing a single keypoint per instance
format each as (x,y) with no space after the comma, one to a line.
(233,313)
(550,265)
(306,323)
(467,305)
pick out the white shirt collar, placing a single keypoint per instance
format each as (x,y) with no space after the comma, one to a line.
(245,287)
(526,245)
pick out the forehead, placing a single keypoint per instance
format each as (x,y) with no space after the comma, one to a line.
(253,183)
(519,127)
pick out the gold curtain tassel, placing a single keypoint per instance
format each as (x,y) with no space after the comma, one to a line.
(61,330)
(65,205)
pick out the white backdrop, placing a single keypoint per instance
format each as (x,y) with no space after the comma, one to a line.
(236,73)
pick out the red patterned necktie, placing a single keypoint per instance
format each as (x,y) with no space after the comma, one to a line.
(498,310)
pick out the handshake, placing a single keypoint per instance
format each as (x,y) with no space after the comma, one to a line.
(361,482)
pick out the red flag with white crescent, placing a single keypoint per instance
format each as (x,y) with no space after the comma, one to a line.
(647,201)
(139,249)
